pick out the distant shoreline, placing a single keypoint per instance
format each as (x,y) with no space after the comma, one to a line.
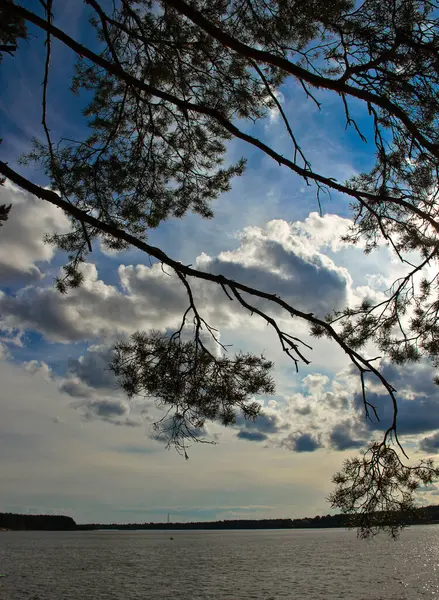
(428,515)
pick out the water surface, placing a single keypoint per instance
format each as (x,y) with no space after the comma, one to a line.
(219,565)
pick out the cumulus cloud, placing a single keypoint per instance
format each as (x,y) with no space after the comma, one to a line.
(72,317)
(343,436)
(40,367)
(301,442)
(22,247)
(92,369)
(95,390)
(329,412)
(317,232)
(75,388)
(266,423)
(322,415)
(430,445)
(96,395)
(111,411)
(282,258)
(315,383)
(285,260)
(251,436)
(417,396)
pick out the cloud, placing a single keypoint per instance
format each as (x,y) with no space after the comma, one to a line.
(93,311)
(342,437)
(253,436)
(274,113)
(268,422)
(281,258)
(95,390)
(93,370)
(430,445)
(111,411)
(22,248)
(98,396)
(75,388)
(315,383)
(301,442)
(40,368)
(4,352)
(318,415)
(284,259)
(169,425)
(417,396)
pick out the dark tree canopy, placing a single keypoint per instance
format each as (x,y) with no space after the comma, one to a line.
(168,84)
(191,382)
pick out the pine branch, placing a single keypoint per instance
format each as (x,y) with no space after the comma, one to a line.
(185,106)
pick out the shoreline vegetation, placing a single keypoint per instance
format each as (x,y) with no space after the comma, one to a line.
(21,522)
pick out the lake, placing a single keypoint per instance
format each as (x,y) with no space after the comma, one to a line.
(219,565)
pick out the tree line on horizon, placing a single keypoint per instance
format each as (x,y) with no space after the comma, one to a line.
(20,522)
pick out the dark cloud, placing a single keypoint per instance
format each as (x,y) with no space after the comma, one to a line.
(417,397)
(93,370)
(111,411)
(11,274)
(89,312)
(430,445)
(43,310)
(108,408)
(76,389)
(89,375)
(164,293)
(341,437)
(266,423)
(252,436)
(417,377)
(417,415)
(95,388)
(301,442)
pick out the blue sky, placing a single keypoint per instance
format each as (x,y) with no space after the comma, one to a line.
(69,439)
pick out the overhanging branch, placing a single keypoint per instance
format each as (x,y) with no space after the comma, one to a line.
(359,361)
(264,57)
(362,196)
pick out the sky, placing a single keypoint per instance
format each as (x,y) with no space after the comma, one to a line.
(70,440)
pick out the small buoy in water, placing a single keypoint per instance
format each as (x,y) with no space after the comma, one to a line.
(171,538)
(3,575)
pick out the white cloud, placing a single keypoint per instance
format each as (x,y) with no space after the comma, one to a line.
(273,113)
(89,312)
(282,258)
(22,245)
